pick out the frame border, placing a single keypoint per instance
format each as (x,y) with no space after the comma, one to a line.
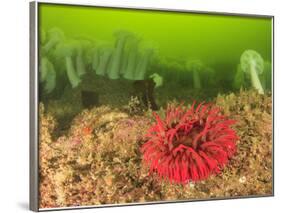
(33,110)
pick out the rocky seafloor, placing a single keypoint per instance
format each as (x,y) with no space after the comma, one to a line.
(98,160)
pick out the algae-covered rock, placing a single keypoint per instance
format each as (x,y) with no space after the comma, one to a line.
(98,160)
(251,172)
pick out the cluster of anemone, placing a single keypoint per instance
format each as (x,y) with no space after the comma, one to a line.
(252,72)
(61,56)
(127,57)
(171,69)
(131,58)
(186,72)
(189,144)
(252,68)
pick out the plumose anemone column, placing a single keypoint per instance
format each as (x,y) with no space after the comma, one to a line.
(80,65)
(143,64)
(43,68)
(133,55)
(96,58)
(238,81)
(51,79)
(195,66)
(104,60)
(47,75)
(71,73)
(252,63)
(116,60)
(266,76)
(67,50)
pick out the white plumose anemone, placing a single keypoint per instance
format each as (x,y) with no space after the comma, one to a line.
(253,64)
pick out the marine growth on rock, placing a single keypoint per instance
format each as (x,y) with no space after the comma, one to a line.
(189,144)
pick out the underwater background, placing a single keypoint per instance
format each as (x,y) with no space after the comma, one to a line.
(216,39)
(212,43)
(105,72)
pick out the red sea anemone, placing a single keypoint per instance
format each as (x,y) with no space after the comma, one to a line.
(189,144)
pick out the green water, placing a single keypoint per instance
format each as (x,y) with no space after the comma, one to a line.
(216,40)
(212,38)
